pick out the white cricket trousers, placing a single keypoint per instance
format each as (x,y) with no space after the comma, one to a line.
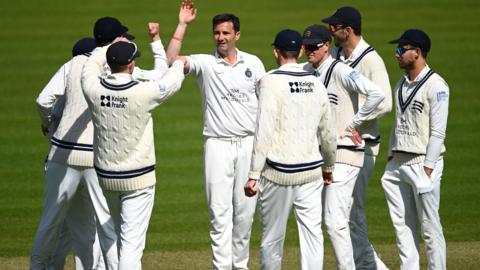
(131,212)
(73,194)
(363,252)
(275,202)
(227,162)
(336,213)
(408,207)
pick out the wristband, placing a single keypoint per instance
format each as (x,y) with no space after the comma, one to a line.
(177,39)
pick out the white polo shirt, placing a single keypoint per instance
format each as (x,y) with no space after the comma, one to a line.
(228,92)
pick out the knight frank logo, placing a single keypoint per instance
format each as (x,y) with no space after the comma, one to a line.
(113,101)
(105,101)
(301,87)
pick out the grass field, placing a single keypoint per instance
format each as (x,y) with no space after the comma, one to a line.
(36,40)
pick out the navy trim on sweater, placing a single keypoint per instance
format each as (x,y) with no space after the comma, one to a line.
(329,73)
(351,148)
(294,168)
(71,145)
(292,73)
(118,87)
(357,61)
(404,105)
(373,140)
(124,174)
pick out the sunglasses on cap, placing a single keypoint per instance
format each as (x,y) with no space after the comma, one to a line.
(336,27)
(134,54)
(400,50)
(313,47)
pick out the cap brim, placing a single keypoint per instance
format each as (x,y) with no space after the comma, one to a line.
(128,36)
(138,54)
(331,20)
(312,41)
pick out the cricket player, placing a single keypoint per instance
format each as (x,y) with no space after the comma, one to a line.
(227,79)
(70,164)
(55,89)
(287,167)
(352,49)
(344,85)
(124,155)
(413,174)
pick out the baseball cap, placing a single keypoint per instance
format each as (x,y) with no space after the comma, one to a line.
(414,37)
(106,29)
(288,40)
(316,34)
(84,45)
(122,53)
(346,16)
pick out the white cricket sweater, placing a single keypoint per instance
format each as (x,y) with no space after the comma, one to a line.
(72,144)
(72,140)
(344,84)
(124,155)
(421,119)
(294,115)
(368,62)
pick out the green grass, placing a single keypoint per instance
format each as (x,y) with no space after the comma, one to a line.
(37,37)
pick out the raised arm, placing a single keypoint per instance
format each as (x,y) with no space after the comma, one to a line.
(187,14)
(159,57)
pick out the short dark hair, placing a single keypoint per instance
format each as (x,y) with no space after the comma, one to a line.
(117,69)
(289,54)
(357,29)
(226,17)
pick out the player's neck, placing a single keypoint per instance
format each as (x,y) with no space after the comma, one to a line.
(416,70)
(324,58)
(350,45)
(230,56)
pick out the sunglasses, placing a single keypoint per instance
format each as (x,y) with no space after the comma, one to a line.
(400,50)
(314,47)
(134,52)
(336,27)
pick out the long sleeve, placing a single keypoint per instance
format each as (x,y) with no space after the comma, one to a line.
(160,65)
(93,69)
(51,95)
(327,136)
(438,99)
(267,111)
(170,83)
(354,81)
(379,76)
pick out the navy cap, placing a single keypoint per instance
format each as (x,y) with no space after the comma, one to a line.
(316,34)
(106,29)
(414,37)
(346,16)
(288,40)
(122,53)
(83,46)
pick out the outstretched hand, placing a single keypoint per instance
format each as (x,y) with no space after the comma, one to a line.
(154,31)
(187,13)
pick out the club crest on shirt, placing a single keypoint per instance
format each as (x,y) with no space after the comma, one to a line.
(248,73)
(442,96)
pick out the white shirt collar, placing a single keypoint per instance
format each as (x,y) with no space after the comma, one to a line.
(220,59)
(419,76)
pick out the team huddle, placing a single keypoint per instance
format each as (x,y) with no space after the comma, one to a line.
(304,135)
